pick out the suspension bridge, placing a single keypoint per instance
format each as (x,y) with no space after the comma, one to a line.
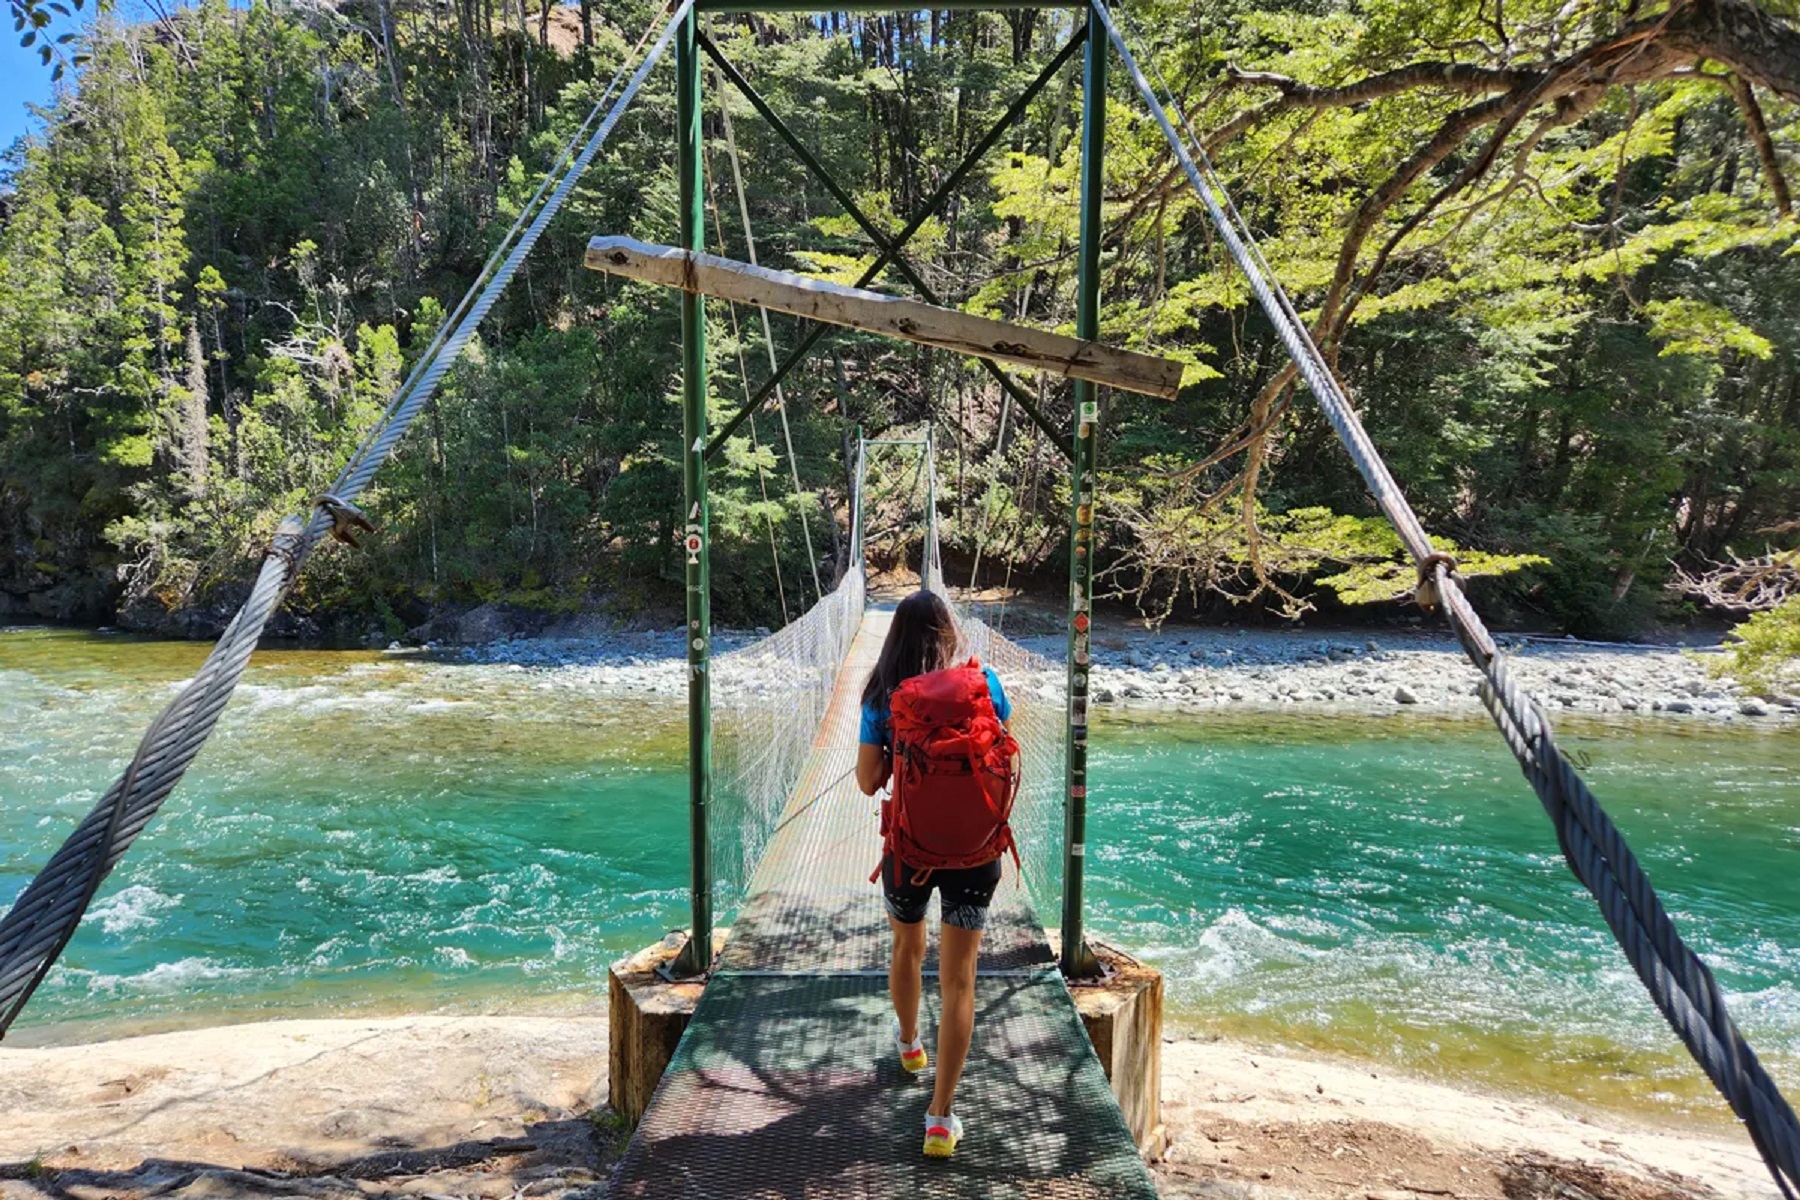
(785,1081)
(778,1086)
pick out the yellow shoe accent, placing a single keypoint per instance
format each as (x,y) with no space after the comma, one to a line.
(912,1056)
(941,1137)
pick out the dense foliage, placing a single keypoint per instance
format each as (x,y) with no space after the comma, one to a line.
(1765,653)
(1547,244)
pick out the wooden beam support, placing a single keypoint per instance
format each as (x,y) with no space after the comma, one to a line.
(891,316)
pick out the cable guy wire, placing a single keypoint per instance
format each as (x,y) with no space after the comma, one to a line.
(46,914)
(1682,986)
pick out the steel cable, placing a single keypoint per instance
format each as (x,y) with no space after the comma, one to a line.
(1681,985)
(44,917)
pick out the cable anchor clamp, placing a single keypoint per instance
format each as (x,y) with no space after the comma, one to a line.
(1425,593)
(346,518)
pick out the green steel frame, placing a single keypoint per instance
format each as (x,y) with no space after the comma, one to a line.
(696,958)
(891,249)
(823,6)
(1077,960)
(691,44)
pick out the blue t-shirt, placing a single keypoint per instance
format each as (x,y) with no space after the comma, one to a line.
(875,721)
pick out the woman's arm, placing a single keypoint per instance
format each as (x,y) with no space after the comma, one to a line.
(872,768)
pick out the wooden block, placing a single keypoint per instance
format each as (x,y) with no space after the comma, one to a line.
(646,1016)
(892,316)
(1123,1017)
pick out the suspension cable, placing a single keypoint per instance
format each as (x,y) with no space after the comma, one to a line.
(737,182)
(1680,984)
(737,338)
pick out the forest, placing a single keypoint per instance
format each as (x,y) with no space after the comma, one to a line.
(1548,245)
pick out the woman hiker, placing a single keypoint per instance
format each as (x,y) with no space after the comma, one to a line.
(945,827)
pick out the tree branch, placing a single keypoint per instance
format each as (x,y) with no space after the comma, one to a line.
(1451,76)
(1745,37)
(1765,146)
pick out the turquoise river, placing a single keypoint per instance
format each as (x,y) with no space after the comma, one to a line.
(373,834)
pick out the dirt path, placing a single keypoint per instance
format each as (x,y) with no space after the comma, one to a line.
(512,1107)
(1243,1119)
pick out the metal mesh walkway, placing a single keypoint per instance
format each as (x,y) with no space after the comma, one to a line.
(786,1082)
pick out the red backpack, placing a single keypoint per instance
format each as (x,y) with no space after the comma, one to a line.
(954,774)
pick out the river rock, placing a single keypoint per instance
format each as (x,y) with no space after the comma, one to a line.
(1405,695)
(1753,707)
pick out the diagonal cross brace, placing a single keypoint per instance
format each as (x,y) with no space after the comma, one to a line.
(873,231)
(1013,112)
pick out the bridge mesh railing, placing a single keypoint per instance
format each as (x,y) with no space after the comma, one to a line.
(770,697)
(768,700)
(1038,689)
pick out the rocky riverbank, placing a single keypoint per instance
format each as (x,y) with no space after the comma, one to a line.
(1201,668)
(1409,670)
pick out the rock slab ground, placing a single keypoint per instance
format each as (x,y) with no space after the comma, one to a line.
(491,1107)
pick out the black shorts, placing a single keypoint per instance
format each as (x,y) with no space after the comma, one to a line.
(964,893)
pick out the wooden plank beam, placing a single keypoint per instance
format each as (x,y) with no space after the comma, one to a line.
(892,316)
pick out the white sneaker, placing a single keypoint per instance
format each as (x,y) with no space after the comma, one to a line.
(912,1054)
(941,1135)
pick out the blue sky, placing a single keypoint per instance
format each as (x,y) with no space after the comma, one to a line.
(23,80)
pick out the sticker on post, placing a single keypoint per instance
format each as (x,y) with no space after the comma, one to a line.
(1090,411)
(1077,849)
(694,543)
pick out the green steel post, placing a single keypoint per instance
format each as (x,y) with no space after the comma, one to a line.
(697,957)
(1077,959)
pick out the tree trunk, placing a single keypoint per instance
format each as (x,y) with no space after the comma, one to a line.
(191,450)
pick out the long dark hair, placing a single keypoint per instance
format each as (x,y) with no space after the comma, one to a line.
(922,638)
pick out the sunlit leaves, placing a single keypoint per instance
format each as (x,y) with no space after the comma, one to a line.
(1687,326)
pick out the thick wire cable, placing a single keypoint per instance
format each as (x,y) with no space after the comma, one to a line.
(1680,984)
(787,436)
(46,914)
(762,478)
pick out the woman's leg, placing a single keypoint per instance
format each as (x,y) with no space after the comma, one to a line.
(956,1023)
(904,974)
(906,903)
(965,896)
